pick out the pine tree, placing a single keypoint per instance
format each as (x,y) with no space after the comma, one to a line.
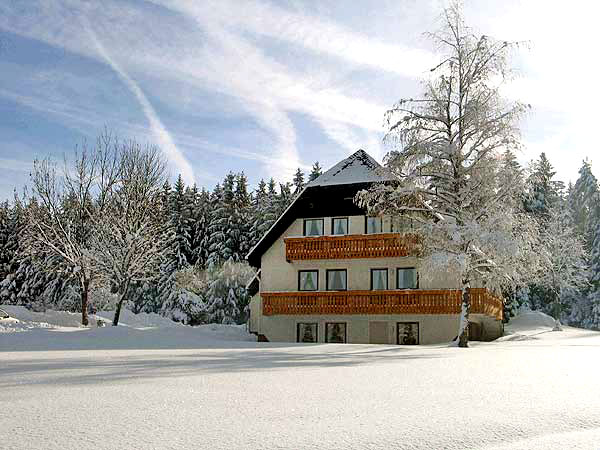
(221,244)
(284,198)
(201,217)
(180,212)
(594,292)
(298,181)
(241,224)
(315,172)
(582,202)
(544,192)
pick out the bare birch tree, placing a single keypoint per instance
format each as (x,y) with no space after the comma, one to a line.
(67,202)
(131,239)
(446,153)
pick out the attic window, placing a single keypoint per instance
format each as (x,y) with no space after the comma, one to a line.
(374,225)
(339,225)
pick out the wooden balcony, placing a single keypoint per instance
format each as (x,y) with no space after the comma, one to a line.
(443,301)
(379,245)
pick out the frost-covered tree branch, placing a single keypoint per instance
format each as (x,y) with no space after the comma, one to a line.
(446,151)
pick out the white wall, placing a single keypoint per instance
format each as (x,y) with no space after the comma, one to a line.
(279,275)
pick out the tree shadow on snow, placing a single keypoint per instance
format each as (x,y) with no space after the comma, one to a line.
(123,366)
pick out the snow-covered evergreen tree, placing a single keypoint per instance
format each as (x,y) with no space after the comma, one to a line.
(227,298)
(565,274)
(201,219)
(544,190)
(594,292)
(315,172)
(583,200)
(181,217)
(298,181)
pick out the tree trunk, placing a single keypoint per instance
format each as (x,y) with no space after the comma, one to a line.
(557,308)
(118,311)
(119,305)
(463,328)
(85,285)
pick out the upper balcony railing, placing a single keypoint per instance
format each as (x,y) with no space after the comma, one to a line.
(379,245)
(442,301)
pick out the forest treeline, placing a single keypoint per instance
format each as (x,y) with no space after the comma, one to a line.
(179,250)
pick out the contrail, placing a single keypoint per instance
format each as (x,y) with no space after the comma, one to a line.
(158,129)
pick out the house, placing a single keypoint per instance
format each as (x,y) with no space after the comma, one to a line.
(328,272)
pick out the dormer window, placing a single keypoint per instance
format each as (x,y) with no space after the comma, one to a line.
(339,225)
(374,225)
(313,227)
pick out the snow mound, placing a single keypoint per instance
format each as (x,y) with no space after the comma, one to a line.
(61,330)
(530,320)
(59,319)
(30,319)
(533,325)
(140,320)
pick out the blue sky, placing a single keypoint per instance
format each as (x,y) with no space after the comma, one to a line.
(265,87)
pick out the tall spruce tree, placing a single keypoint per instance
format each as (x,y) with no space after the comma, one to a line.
(298,181)
(315,172)
(544,190)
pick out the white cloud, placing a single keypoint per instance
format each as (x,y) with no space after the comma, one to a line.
(311,32)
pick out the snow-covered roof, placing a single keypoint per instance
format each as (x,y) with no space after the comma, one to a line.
(359,167)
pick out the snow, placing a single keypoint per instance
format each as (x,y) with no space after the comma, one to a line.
(59,319)
(181,387)
(360,167)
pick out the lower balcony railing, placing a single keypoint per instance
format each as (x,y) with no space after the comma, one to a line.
(442,301)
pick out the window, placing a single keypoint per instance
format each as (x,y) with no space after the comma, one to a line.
(379,279)
(406,278)
(307,332)
(339,225)
(335,332)
(313,227)
(374,225)
(408,333)
(308,280)
(336,280)
(402,224)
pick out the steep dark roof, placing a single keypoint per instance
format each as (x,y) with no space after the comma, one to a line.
(331,194)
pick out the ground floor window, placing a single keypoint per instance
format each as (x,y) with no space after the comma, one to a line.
(408,333)
(307,332)
(335,332)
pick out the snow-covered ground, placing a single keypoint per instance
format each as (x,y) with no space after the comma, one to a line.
(163,385)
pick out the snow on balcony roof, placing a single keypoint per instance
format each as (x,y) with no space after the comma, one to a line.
(359,167)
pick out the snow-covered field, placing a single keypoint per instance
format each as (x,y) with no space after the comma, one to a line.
(155,384)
